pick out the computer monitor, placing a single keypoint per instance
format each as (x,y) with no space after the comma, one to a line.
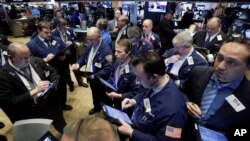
(35,12)
(159,6)
(247,34)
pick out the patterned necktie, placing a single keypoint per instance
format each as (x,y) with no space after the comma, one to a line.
(118,73)
(27,74)
(89,67)
(207,41)
(209,98)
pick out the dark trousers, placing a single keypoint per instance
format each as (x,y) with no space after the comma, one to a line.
(99,93)
(71,60)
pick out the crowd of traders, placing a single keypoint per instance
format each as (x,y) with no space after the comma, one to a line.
(162,81)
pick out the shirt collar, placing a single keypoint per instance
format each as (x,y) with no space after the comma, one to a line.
(13,66)
(40,38)
(161,86)
(232,85)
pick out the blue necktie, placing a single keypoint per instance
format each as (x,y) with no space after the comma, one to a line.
(207,41)
(208,98)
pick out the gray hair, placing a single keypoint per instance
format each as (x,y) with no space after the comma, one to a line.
(184,37)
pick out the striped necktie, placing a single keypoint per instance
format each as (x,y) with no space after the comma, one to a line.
(208,98)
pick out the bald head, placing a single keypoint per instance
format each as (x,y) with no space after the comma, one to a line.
(94,31)
(213,25)
(147,26)
(17,48)
(19,54)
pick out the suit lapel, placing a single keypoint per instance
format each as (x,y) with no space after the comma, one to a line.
(226,110)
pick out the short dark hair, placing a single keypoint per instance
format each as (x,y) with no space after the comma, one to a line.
(152,63)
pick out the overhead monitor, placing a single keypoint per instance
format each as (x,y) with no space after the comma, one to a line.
(159,6)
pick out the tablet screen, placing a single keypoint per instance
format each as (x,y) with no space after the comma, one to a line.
(116,114)
(211,135)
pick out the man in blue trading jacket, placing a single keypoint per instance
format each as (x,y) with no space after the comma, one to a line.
(22,79)
(52,50)
(70,39)
(135,36)
(150,38)
(160,114)
(122,76)
(98,58)
(219,96)
(183,57)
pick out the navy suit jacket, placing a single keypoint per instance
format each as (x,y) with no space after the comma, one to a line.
(69,33)
(226,119)
(155,40)
(186,68)
(39,49)
(126,83)
(200,37)
(102,56)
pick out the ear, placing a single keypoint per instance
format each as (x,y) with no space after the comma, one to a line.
(155,76)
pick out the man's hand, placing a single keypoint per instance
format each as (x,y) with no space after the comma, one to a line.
(114,95)
(125,128)
(49,57)
(193,109)
(115,30)
(41,86)
(75,67)
(173,59)
(148,42)
(68,43)
(126,103)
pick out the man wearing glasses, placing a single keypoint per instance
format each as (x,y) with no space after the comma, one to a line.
(22,80)
(183,57)
(98,61)
(50,49)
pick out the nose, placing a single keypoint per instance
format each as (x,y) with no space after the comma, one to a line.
(221,65)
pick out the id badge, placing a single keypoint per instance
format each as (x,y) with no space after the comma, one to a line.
(235,103)
(147,105)
(190,60)
(47,73)
(53,43)
(127,69)
(98,65)
(219,38)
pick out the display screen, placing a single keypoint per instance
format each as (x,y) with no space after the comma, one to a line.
(211,135)
(157,6)
(247,34)
(116,114)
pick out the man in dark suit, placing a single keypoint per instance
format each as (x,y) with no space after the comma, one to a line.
(98,61)
(22,80)
(52,50)
(122,76)
(122,24)
(166,32)
(150,39)
(112,24)
(211,38)
(70,39)
(183,57)
(219,96)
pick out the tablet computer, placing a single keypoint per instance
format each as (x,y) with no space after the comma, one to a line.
(206,134)
(107,84)
(48,89)
(114,115)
